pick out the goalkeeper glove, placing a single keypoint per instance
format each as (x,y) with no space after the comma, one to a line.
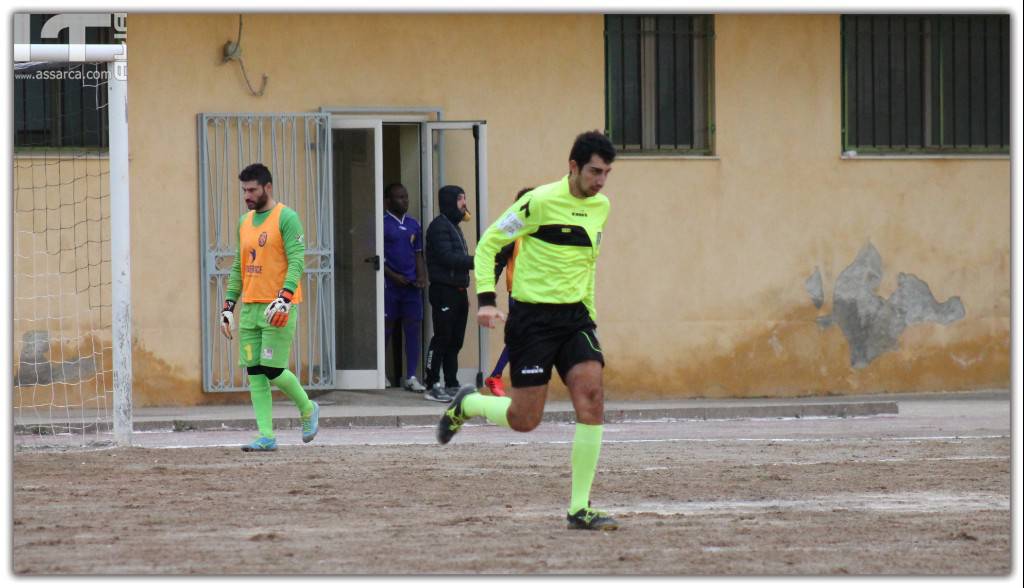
(277,311)
(227,318)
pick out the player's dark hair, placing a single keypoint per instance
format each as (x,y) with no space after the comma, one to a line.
(258,172)
(522,192)
(390,187)
(589,143)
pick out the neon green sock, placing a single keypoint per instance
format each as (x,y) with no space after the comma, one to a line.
(494,408)
(262,404)
(586,448)
(289,384)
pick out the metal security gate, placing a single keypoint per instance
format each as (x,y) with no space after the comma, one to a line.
(297,149)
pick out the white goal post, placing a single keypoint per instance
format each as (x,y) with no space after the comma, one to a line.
(115,56)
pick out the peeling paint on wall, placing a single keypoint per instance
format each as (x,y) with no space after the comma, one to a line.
(815,289)
(871,324)
(36,368)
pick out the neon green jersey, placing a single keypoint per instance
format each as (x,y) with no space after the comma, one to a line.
(558,255)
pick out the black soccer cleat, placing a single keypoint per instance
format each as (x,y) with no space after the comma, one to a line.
(452,419)
(591,520)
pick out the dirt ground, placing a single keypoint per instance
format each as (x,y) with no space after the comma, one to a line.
(833,497)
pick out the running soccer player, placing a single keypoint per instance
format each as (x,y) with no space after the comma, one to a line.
(270,240)
(552,322)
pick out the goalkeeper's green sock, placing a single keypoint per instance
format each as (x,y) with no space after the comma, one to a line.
(262,404)
(289,384)
(586,448)
(493,408)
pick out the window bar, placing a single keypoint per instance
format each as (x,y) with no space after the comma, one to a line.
(691,74)
(844,70)
(871,77)
(1004,77)
(950,61)
(697,78)
(709,85)
(970,97)
(675,84)
(888,75)
(854,73)
(986,52)
(607,66)
(622,84)
(906,89)
(648,78)
(926,82)
(941,88)
(58,106)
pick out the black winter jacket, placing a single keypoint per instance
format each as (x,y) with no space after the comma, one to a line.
(448,259)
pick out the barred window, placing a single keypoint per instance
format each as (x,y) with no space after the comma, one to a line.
(926,83)
(658,83)
(61,105)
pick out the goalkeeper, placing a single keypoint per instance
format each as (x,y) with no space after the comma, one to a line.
(266,272)
(551,324)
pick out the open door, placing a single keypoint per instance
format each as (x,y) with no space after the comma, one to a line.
(455,152)
(357,189)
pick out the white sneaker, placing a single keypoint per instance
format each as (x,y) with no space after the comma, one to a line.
(413,385)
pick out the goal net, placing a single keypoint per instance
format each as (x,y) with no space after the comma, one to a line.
(63,292)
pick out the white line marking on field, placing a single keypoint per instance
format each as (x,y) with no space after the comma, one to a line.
(913,502)
(837,461)
(902,502)
(607,441)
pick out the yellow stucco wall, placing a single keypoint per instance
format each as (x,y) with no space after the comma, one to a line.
(701,280)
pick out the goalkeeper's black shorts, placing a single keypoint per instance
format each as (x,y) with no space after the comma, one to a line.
(540,336)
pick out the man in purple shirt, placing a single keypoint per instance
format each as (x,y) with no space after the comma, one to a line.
(405,277)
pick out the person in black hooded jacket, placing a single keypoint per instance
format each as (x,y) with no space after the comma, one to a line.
(448,266)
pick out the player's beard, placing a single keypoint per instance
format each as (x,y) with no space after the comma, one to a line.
(259,202)
(581,188)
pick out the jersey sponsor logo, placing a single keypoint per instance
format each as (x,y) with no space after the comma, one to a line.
(510,224)
(534,369)
(263,238)
(253,268)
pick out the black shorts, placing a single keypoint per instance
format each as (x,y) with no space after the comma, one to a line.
(539,336)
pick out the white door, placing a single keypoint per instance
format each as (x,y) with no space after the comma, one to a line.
(357,185)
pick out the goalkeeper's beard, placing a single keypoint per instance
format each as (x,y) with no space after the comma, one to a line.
(259,203)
